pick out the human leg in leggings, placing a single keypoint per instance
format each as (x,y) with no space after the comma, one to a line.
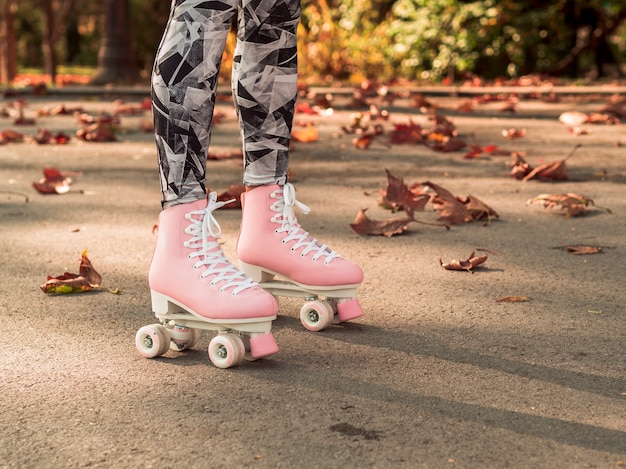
(264,85)
(264,88)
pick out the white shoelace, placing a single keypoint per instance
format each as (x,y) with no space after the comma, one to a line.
(284,206)
(210,252)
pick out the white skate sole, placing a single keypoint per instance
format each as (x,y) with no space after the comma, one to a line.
(325,305)
(179,329)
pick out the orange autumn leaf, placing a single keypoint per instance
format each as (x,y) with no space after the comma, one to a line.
(306,134)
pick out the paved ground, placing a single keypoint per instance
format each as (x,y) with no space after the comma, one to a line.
(437,374)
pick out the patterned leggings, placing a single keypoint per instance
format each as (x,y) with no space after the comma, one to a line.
(264,85)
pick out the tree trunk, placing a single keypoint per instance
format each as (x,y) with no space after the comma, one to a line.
(117,63)
(49,53)
(8,62)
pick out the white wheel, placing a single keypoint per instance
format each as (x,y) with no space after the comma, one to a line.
(183,338)
(226,350)
(316,315)
(152,341)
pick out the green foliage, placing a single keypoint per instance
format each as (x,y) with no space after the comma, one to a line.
(435,39)
(383,39)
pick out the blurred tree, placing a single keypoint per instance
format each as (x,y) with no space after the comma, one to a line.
(117,62)
(55,14)
(8,64)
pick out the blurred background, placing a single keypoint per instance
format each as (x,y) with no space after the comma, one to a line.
(65,42)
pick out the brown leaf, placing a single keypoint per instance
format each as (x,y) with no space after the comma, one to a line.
(449,144)
(400,197)
(477,208)
(464,265)
(365,226)
(406,133)
(87,271)
(573,204)
(233,192)
(11,136)
(583,249)
(553,171)
(520,168)
(88,279)
(450,209)
(513,299)
(53,182)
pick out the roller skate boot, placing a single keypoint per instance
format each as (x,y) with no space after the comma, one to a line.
(286,260)
(193,286)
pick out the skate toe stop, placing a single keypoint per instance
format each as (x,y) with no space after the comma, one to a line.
(262,345)
(349,309)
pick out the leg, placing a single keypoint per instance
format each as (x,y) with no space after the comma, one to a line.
(265,86)
(189,271)
(184,85)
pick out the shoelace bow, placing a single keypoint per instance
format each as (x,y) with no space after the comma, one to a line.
(303,240)
(210,252)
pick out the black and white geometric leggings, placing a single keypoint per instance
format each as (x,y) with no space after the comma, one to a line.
(264,85)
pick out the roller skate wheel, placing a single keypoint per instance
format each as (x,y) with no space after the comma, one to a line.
(316,315)
(152,341)
(226,350)
(183,338)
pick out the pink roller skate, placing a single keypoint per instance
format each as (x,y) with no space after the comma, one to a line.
(194,286)
(272,244)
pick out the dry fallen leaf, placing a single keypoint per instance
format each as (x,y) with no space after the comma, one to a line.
(477,208)
(450,209)
(54,182)
(86,280)
(553,171)
(464,265)
(365,226)
(579,249)
(398,196)
(513,299)
(572,204)
(233,192)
